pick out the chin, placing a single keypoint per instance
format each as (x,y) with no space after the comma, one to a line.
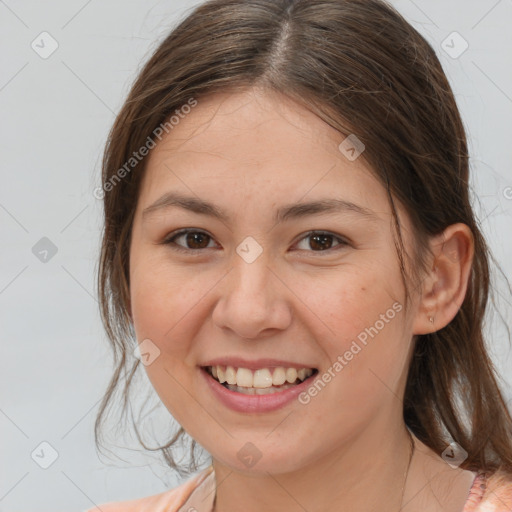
(252,458)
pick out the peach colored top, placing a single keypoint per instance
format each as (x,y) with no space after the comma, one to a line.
(487,494)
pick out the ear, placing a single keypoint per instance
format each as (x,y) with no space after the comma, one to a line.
(444,287)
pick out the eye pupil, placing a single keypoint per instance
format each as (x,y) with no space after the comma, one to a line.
(197,240)
(193,237)
(322,239)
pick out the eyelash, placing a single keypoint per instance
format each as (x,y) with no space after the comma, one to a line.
(170,240)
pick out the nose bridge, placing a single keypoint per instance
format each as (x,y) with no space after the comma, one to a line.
(251,276)
(251,262)
(251,300)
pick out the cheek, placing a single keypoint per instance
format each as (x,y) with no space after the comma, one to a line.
(165,301)
(163,305)
(359,323)
(347,304)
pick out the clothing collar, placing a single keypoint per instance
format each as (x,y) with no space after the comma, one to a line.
(202,497)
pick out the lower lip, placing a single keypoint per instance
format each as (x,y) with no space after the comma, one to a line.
(255,403)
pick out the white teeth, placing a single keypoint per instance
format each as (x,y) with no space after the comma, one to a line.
(291,375)
(259,391)
(230,375)
(279,376)
(261,379)
(244,378)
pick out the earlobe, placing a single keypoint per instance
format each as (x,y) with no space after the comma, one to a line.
(444,287)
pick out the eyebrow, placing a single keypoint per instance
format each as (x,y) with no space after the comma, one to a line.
(287,212)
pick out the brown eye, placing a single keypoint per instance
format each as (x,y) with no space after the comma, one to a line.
(197,240)
(193,240)
(321,241)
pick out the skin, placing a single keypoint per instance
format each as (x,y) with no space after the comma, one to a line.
(250,153)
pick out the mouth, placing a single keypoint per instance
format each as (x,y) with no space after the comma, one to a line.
(262,381)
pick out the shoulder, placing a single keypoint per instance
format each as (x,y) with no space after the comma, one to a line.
(491,493)
(167,501)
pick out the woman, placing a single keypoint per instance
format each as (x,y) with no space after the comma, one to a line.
(289,239)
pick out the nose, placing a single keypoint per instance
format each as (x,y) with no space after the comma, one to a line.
(254,301)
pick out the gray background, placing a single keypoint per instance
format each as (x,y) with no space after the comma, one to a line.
(56,113)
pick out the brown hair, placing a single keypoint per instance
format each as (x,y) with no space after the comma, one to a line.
(364,70)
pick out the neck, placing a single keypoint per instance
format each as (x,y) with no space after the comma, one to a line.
(354,476)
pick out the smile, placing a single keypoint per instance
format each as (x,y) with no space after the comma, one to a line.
(261,381)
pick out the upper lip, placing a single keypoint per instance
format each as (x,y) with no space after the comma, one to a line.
(255,364)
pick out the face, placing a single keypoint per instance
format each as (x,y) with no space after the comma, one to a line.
(313,287)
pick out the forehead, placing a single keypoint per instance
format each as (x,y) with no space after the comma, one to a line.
(264,147)
(244,125)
